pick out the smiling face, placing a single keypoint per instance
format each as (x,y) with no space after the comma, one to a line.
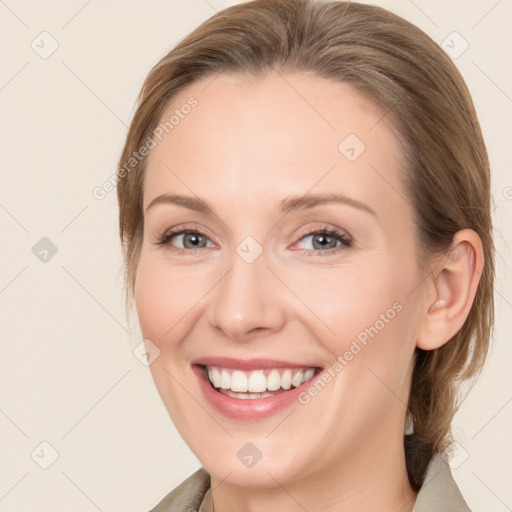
(259,273)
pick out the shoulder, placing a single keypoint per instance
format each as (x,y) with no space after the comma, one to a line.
(439,491)
(188,495)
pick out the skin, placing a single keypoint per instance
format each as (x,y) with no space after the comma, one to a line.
(247,145)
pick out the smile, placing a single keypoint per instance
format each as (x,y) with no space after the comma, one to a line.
(257,383)
(251,389)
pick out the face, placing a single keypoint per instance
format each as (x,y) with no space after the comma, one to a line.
(278,261)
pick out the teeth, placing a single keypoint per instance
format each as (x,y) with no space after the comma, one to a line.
(225,380)
(214,377)
(273,380)
(238,381)
(286,379)
(258,381)
(297,379)
(309,373)
(247,396)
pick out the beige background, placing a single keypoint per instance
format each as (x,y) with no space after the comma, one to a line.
(68,376)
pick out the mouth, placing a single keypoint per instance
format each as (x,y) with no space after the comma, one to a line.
(254,389)
(255,384)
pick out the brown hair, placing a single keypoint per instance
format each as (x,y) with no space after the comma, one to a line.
(447,176)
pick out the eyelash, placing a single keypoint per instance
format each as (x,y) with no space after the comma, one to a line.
(346,242)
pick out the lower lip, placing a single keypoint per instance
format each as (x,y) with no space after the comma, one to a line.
(248,409)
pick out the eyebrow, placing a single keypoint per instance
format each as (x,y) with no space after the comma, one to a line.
(285,206)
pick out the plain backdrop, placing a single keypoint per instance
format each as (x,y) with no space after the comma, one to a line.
(82,427)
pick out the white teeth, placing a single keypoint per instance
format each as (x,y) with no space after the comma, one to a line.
(238,381)
(255,382)
(225,380)
(297,379)
(214,377)
(286,379)
(246,396)
(273,380)
(309,373)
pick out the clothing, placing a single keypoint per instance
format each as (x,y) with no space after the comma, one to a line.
(439,492)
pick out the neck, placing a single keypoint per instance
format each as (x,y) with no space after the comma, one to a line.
(374,478)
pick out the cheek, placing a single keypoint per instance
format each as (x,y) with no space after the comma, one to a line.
(163,302)
(368,318)
(347,301)
(151,303)
(163,297)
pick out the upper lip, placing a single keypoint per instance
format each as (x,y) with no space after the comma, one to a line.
(248,364)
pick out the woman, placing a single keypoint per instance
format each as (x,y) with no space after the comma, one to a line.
(304,202)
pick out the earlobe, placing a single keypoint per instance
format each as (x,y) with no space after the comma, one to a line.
(454,285)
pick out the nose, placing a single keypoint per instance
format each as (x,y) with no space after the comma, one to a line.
(247,301)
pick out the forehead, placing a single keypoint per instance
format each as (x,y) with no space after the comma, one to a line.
(292,132)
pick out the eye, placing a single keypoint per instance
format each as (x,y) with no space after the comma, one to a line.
(326,241)
(190,238)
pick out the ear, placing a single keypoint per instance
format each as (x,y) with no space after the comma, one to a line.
(453,286)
